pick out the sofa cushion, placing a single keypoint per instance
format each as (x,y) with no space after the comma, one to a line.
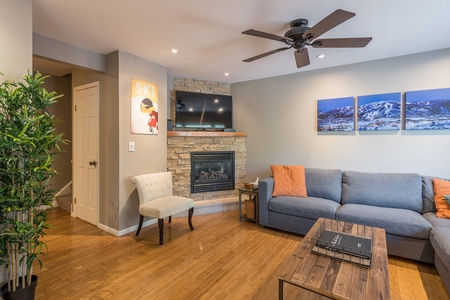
(441,188)
(289,181)
(311,207)
(435,221)
(402,222)
(395,190)
(324,183)
(440,239)
(428,195)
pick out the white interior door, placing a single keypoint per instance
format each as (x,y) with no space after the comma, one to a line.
(86,145)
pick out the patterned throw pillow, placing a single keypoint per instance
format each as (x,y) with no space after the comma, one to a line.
(289,181)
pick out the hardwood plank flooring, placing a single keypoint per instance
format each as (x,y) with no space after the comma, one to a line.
(221,259)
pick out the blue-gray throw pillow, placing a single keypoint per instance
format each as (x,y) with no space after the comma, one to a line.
(447,197)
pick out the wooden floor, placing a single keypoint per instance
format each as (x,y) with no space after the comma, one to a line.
(221,259)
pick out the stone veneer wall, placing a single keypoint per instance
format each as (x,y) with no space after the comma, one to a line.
(179,148)
(179,162)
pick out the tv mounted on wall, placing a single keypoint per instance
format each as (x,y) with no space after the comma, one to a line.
(200,111)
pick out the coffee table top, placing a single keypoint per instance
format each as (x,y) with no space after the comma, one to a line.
(338,279)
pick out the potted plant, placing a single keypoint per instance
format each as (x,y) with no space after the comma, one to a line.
(28,144)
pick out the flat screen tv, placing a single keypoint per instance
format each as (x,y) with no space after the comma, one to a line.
(200,111)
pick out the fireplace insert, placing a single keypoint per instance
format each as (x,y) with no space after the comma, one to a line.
(212,171)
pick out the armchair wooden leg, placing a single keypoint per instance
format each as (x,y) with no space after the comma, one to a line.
(190,214)
(141,221)
(170,219)
(161,231)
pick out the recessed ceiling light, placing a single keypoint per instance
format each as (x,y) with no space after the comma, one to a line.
(226,74)
(174,50)
(320,56)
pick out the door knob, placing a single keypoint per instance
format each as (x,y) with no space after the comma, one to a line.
(93,163)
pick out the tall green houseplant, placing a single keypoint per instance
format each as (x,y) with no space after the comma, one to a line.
(28,145)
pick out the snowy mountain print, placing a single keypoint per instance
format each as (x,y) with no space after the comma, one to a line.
(336,114)
(429,109)
(379,112)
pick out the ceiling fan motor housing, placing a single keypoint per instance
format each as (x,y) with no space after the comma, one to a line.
(298,28)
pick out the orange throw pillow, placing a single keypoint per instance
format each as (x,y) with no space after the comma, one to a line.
(441,189)
(289,181)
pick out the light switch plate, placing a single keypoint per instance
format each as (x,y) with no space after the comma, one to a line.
(130,146)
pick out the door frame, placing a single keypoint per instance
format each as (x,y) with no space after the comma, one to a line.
(74,146)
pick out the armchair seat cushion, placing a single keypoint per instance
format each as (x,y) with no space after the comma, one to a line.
(165,206)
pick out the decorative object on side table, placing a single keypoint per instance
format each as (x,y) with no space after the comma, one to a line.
(28,145)
(251,205)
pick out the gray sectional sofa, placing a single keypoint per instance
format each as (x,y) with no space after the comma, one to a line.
(401,203)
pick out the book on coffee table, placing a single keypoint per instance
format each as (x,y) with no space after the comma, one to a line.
(343,246)
(345,243)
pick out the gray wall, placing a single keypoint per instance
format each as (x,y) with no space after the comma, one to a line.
(150,153)
(15,41)
(63,111)
(279,115)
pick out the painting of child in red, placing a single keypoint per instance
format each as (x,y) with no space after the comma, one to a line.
(148,108)
(144,107)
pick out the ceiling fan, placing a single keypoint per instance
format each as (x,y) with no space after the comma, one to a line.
(300,36)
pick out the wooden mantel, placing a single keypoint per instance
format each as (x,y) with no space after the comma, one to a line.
(205,133)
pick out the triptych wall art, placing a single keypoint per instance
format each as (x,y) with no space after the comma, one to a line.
(428,109)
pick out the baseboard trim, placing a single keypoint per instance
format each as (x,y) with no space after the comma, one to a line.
(126,230)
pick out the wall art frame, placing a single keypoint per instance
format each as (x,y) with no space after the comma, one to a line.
(336,114)
(379,112)
(144,107)
(427,109)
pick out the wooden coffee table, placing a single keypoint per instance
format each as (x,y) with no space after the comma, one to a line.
(338,279)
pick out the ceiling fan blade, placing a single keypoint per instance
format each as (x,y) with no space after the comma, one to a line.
(266,35)
(332,20)
(301,57)
(265,54)
(342,43)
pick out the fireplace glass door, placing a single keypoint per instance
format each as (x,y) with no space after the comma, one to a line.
(212,171)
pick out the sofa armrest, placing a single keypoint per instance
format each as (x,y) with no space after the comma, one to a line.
(265,191)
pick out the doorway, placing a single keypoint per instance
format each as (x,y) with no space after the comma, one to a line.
(86,152)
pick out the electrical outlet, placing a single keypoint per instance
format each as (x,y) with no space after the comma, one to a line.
(130,146)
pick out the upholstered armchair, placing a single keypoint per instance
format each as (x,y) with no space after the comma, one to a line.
(156,200)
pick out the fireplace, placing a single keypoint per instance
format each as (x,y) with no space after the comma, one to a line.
(212,171)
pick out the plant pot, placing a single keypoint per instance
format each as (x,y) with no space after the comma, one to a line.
(26,293)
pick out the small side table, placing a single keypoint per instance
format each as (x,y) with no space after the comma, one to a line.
(251,194)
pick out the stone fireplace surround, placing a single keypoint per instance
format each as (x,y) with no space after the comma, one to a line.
(180,144)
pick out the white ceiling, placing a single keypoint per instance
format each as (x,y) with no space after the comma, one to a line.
(208,32)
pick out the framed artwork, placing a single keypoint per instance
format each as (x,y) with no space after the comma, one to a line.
(144,107)
(336,114)
(379,112)
(427,109)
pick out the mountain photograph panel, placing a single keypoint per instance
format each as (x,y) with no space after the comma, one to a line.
(379,112)
(336,114)
(427,109)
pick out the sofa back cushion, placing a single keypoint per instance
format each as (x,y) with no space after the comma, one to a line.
(428,194)
(324,183)
(396,190)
